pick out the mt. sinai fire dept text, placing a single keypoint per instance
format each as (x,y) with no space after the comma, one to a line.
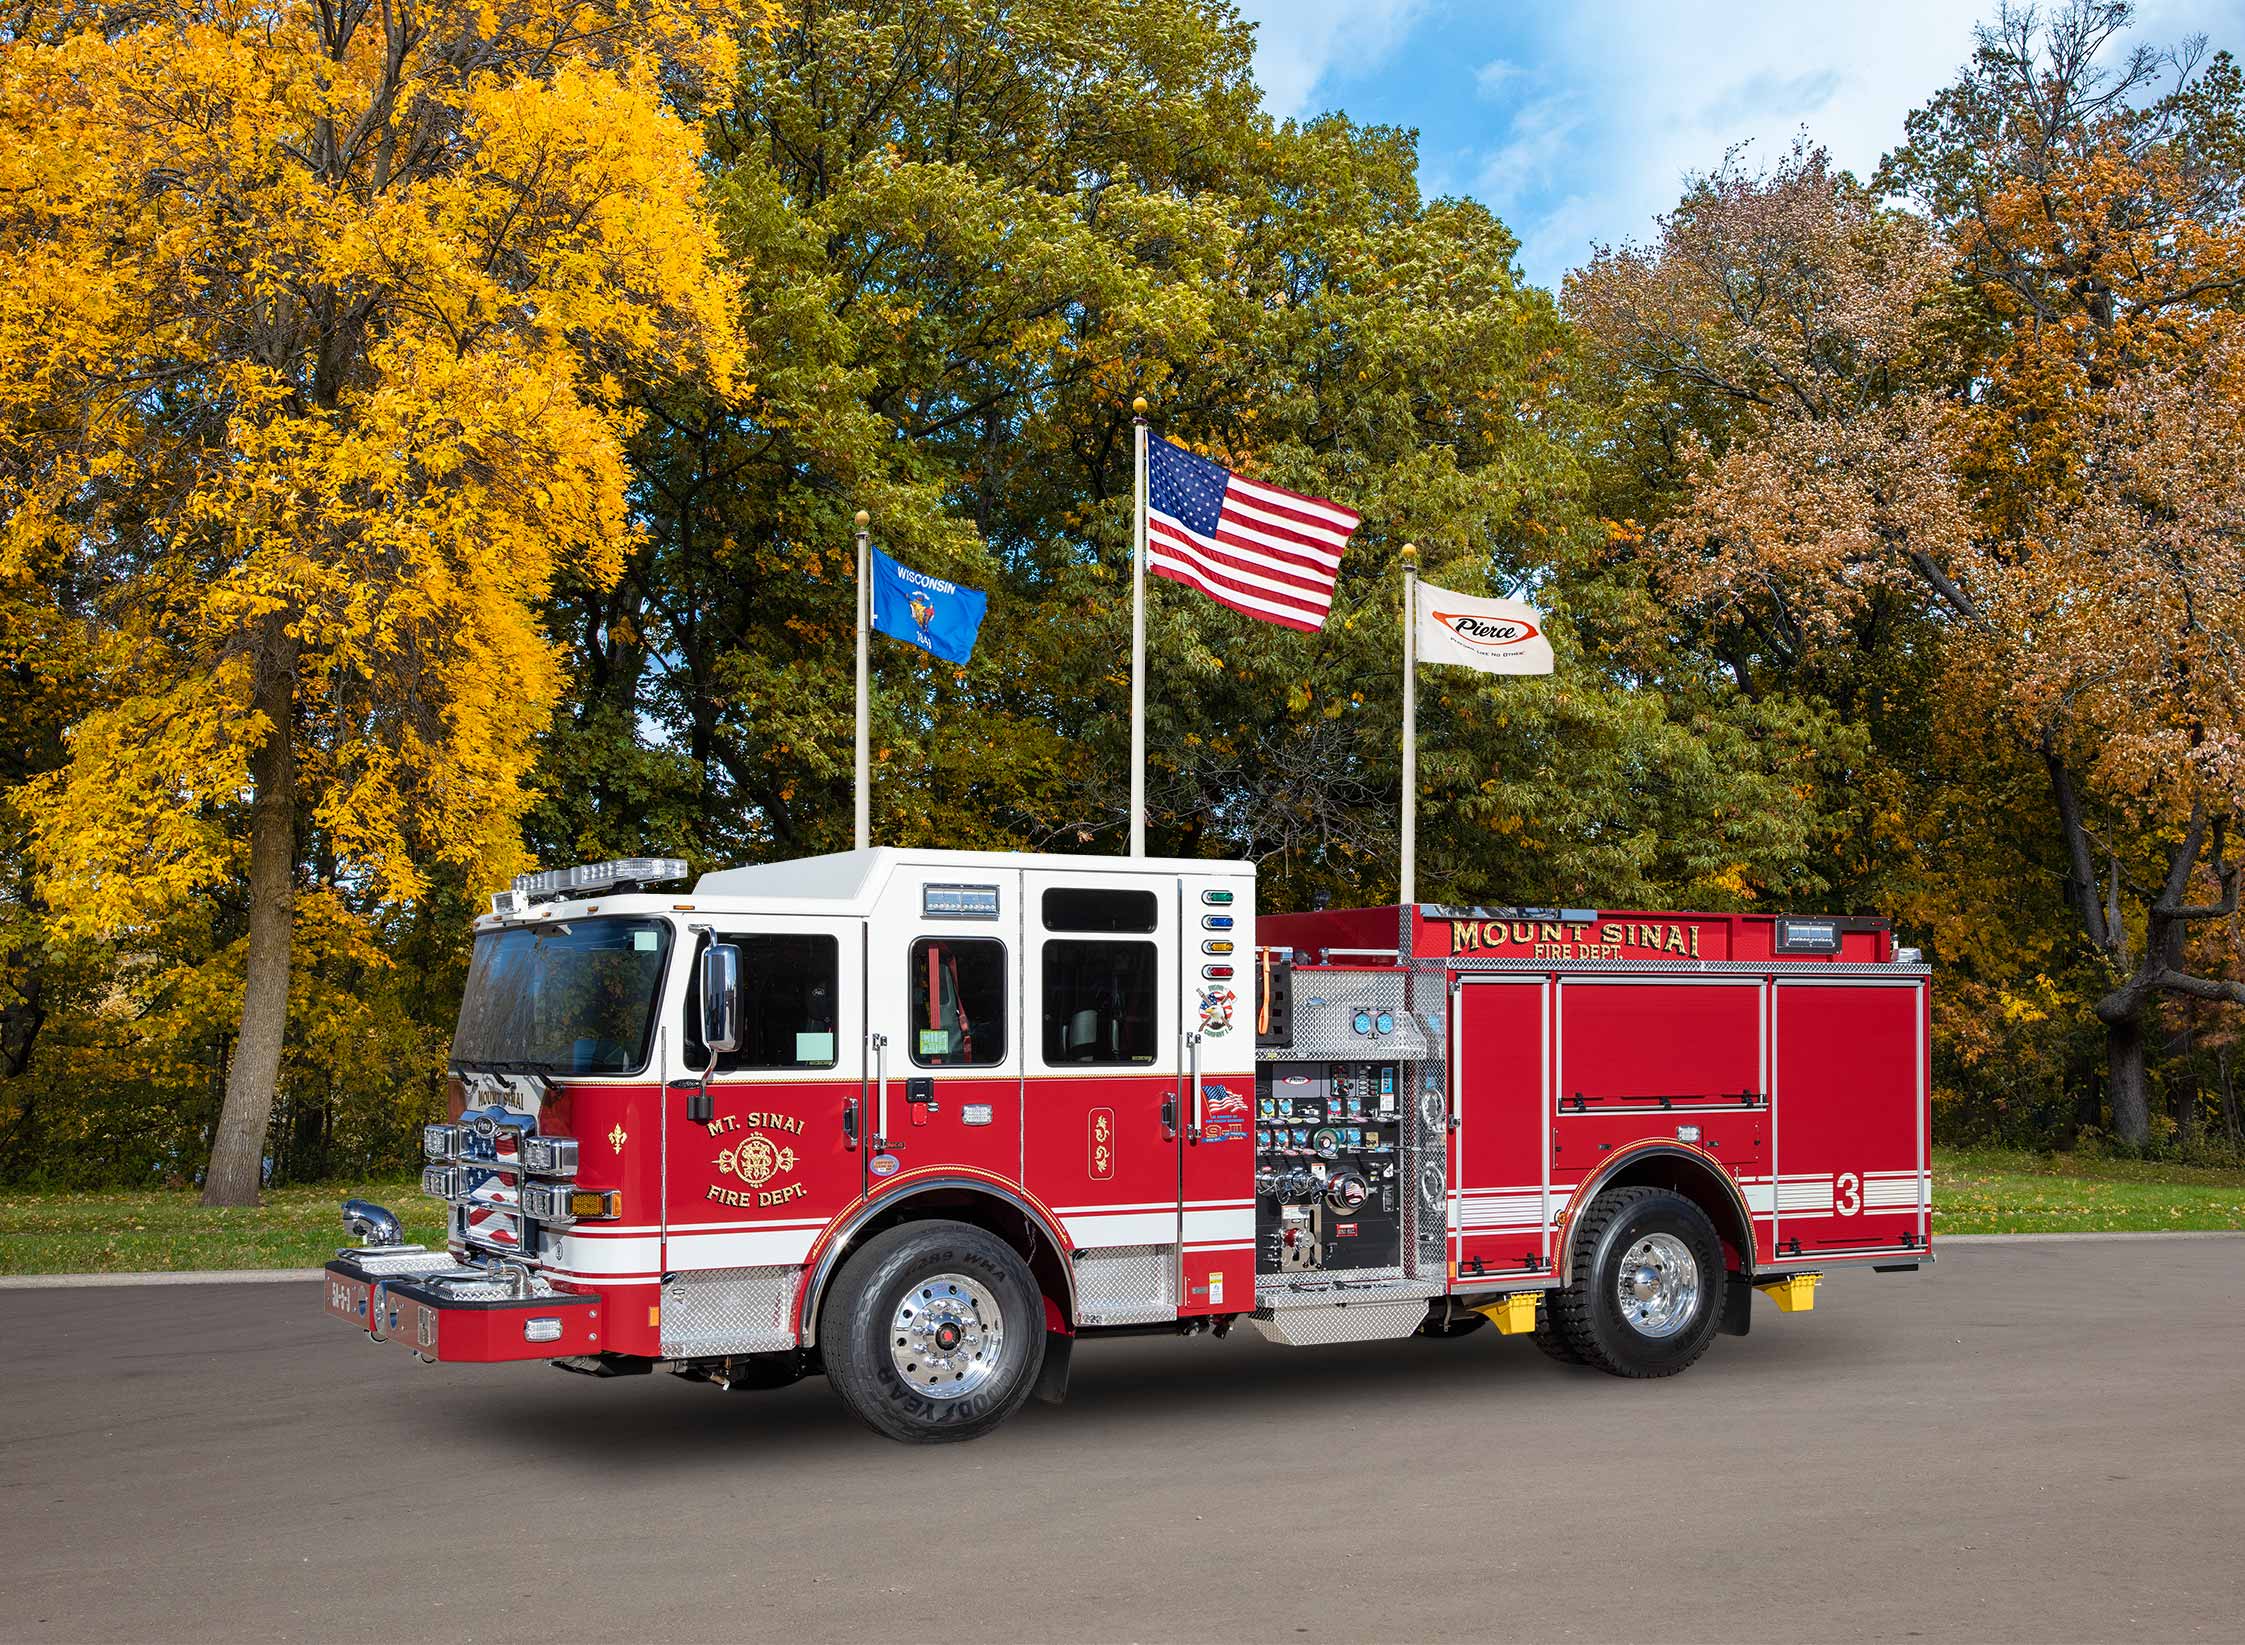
(1555,940)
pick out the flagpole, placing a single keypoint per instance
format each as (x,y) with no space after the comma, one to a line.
(864,717)
(1138,636)
(1407,881)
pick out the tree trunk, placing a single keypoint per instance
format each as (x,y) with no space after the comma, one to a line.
(2124,1069)
(2230,1122)
(238,1150)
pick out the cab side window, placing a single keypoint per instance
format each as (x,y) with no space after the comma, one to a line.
(788,1004)
(958,999)
(1100,1002)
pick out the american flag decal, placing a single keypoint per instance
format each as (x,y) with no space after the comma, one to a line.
(1219,1099)
(1269,553)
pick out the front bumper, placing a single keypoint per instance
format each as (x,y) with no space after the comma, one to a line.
(446,1310)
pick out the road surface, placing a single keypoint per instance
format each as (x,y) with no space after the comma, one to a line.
(2028,1442)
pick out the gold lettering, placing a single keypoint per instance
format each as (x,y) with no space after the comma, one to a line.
(1465,936)
(1610,935)
(1523,931)
(1675,939)
(1551,932)
(1695,942)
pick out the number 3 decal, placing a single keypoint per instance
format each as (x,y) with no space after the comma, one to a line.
(1849,1200)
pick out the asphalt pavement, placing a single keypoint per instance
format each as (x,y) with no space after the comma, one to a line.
(2031,1442)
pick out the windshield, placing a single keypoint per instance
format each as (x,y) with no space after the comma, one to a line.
(577,997)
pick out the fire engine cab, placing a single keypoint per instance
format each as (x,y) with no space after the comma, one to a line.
(922,1120)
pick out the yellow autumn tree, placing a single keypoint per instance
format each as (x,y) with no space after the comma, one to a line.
(314,367)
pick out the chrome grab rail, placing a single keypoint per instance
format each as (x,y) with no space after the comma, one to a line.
(880,1044)
(1192,1052)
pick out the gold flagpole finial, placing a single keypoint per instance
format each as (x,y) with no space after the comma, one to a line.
(1138,406)
(863,519)
(1410,551)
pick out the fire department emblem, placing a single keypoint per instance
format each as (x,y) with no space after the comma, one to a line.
(756,1160)
(1216,1011)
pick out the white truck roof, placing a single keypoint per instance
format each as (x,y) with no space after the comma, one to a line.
(853,876)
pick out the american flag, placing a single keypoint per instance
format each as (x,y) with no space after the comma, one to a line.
(1270,553)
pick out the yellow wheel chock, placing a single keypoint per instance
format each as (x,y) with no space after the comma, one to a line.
(1795,1293)
(1514,1314)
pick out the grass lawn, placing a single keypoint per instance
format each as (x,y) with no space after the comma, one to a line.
(104,1233)
(1975,1191)
(1990,1191)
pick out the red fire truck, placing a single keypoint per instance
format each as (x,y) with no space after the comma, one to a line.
(920,1120)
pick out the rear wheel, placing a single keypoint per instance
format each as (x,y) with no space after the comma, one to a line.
(933,1332)
(1647,1293)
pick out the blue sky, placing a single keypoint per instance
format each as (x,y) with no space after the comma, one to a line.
(1576,122)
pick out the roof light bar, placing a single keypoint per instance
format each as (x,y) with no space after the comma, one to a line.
(588,880)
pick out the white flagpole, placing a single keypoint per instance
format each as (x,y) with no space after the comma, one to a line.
(864,715)
(1407,881)
(1138,638)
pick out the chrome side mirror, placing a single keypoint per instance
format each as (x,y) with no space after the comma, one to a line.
(721,998)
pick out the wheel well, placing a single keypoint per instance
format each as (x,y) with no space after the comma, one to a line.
(1697,1181)
(1019,1228)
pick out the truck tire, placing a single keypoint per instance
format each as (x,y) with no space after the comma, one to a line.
(1647,1294)
(933,1332)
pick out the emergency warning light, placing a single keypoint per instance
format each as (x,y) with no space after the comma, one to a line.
(589,880)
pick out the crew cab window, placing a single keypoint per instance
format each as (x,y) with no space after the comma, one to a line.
(1081,908)
(788,1004)
(1099,1002)
(958,988)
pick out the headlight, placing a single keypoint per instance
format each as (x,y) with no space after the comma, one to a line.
(438,1181)
(558,1202)
(439,1142)
(550,1156)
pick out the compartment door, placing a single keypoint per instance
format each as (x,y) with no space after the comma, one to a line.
(1850,1118)
(1661,1059)
(1500,1153)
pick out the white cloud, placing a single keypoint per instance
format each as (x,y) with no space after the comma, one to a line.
(1538,146)
(1300,42)
(1668,85)
(1494,75)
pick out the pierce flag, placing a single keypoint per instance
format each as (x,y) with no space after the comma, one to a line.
(1475,631)
(939,617)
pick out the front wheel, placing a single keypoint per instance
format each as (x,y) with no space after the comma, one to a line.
(1647,1293)
(933,1332)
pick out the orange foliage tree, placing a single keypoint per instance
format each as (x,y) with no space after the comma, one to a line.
(2018,410)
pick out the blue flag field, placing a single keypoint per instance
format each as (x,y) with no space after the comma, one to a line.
(939,617)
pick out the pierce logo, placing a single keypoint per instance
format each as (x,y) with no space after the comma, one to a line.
(1487,633)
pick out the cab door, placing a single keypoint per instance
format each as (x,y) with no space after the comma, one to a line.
(1103,1116)
(750,1187)
(944,987)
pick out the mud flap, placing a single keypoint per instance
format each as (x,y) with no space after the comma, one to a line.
(1738,1306)
(1052,1379)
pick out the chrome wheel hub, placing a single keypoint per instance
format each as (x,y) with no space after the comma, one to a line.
(947,1336)
(1658,1287)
